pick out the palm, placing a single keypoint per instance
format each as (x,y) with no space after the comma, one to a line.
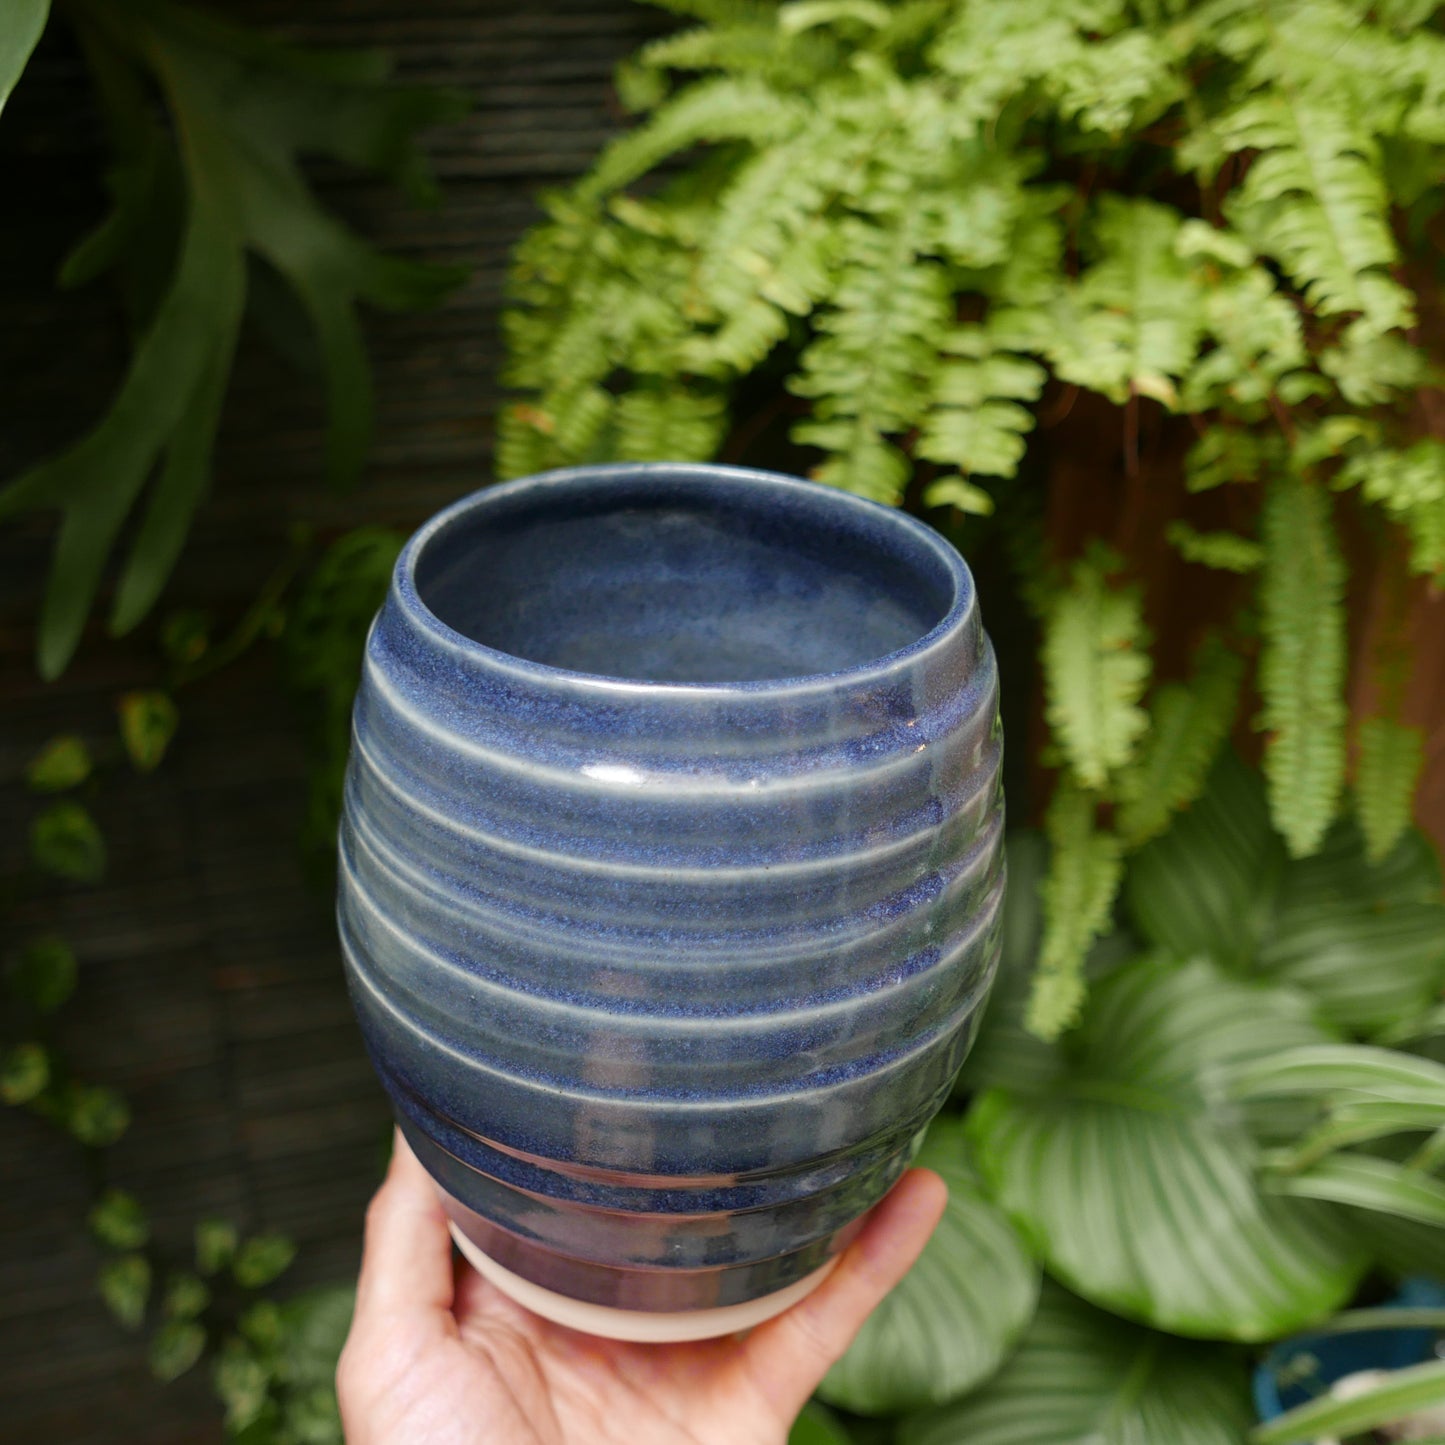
(437,1355)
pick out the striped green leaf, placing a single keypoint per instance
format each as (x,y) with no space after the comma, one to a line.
(1207,885)
(1400,1394)
(1366,1182)
(1344,1071)
(816,1426)
(1084,1376)
(1366,940)
(1139,1182)
(958,1312)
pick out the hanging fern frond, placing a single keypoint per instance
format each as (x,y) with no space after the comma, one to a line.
(979,418)
(1387,772)
(1096,667)
(1189,722)
(870,371)
(1302,662)
(1409,486)
(1226,551)
(1132,322)
(1086,868)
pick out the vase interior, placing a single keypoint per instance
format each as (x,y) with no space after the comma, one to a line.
(693,583)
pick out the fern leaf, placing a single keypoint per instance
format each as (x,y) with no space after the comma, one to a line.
(1227,551)
(1302,662)
(1226,454)
(870,369)
(1189,723)
(1391,758)
(978,423)
(1313,199)
(1096,667)
(1132,322)
(1370,369)
(721,108)
(1409,485)
(1085,870)
(668,424)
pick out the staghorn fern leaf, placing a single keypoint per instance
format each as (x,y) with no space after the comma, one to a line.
(1302,663)
(1096,667)
(1390,760)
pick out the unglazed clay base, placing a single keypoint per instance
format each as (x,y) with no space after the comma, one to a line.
(639,1325)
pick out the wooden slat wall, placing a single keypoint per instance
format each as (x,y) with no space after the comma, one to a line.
(211,991)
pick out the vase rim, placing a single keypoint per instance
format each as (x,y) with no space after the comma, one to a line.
(590,479)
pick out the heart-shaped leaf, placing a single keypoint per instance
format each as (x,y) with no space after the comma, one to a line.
(1084,1376)
(959,1310)
(1136,1177)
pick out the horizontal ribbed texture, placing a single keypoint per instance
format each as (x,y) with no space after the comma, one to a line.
(632,955)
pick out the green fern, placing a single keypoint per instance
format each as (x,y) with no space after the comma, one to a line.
(1226,551)
(1189,722)
(1085,870)
(1132,323)
(1391,756)
(1096,667)
(1409,485)
(1302,663)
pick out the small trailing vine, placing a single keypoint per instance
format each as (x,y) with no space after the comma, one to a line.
(908,221)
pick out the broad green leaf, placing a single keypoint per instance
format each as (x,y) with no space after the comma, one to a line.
(147,725)
(65,842)
(1366,1182)
(1085,869)
(1207,885)
(118,1220)
(62,763)
(1302,663)
(95,1115)
(216,1241)
(1096,667)
(1339,932)
(21,23)
(175,1347)
(45,974)
(1137,1180)
(125,1285)
(1342,1071)
(1392,756)
(817,1426)
(186,1296)
(24,1072)
(1085,1376)
(1189,722)
(1402,1393)
(957,1313)
(261,1259)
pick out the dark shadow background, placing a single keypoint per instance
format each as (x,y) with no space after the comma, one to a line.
(210,988)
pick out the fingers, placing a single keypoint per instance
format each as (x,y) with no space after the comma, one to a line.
(406,1265)
(788,1356)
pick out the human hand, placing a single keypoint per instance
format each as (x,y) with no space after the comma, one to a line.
(437,1356)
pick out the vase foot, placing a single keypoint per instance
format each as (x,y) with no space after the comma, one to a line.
(642,1326)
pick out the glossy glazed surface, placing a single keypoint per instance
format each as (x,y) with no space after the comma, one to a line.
(670,868)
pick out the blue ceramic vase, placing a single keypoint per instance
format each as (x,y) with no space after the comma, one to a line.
(671,869)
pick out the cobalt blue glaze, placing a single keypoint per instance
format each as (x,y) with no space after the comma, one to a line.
(671,868)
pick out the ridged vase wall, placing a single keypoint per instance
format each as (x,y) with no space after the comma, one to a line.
(671,869)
